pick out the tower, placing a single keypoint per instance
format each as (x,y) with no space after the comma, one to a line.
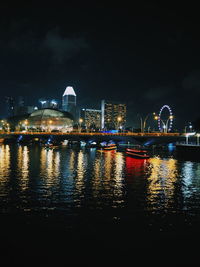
(69,100)
(10,104)
(113,115)
(91,118)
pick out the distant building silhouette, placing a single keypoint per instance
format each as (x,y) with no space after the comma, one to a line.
(10,104)
(21,102)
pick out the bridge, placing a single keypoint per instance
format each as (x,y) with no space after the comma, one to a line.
(141,138)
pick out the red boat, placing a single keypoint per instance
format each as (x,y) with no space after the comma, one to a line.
(138,154)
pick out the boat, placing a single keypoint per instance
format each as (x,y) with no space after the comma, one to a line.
(65,143)
(92,145)
(50,146)
(136,153)
(108,147)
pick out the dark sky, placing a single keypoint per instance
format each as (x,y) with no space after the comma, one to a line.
(146,55)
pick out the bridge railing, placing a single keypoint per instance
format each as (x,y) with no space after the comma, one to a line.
(92,134)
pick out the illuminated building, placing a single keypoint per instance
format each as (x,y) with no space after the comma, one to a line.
(69,101)
(50,119)
(113,115)
(48,103)
(91,118)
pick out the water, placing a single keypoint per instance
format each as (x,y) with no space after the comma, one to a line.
(88,207)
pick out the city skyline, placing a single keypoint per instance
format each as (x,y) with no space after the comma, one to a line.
(109,119)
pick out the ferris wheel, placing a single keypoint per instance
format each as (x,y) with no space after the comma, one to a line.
(165,126)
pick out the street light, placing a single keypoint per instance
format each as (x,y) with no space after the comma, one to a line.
(80,122)
(143,122)
(119,119)
(8,127)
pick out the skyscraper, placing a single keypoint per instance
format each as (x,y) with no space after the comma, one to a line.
(10,104)
(91,118)
(113,115)
(69,101)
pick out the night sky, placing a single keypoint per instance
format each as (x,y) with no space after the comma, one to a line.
(146,55)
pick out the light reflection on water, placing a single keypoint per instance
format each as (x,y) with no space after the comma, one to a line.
(4,171)
(35,178)
(162,177)
(23,167)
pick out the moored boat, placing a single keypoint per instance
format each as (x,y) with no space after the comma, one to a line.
(108,147)
(50,146)
(136,153)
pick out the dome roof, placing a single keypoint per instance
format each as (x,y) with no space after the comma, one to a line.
(48,112)
(48,119)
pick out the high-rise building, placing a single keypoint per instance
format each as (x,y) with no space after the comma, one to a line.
(10,104)
(69,100)
(21,101)
(19,107)
(113,115)
(91,118)
(18,111)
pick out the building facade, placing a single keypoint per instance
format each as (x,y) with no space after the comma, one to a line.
(91,119)
(69,101)
(50,120)
(113,115)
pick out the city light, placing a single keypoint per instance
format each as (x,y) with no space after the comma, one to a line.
(156,117)
(111,116)
(43,102)
(119,119)
(164,125)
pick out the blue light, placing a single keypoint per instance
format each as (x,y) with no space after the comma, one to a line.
(49,141)
(19,138)
(171,147)
(110,131)
(149,142)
